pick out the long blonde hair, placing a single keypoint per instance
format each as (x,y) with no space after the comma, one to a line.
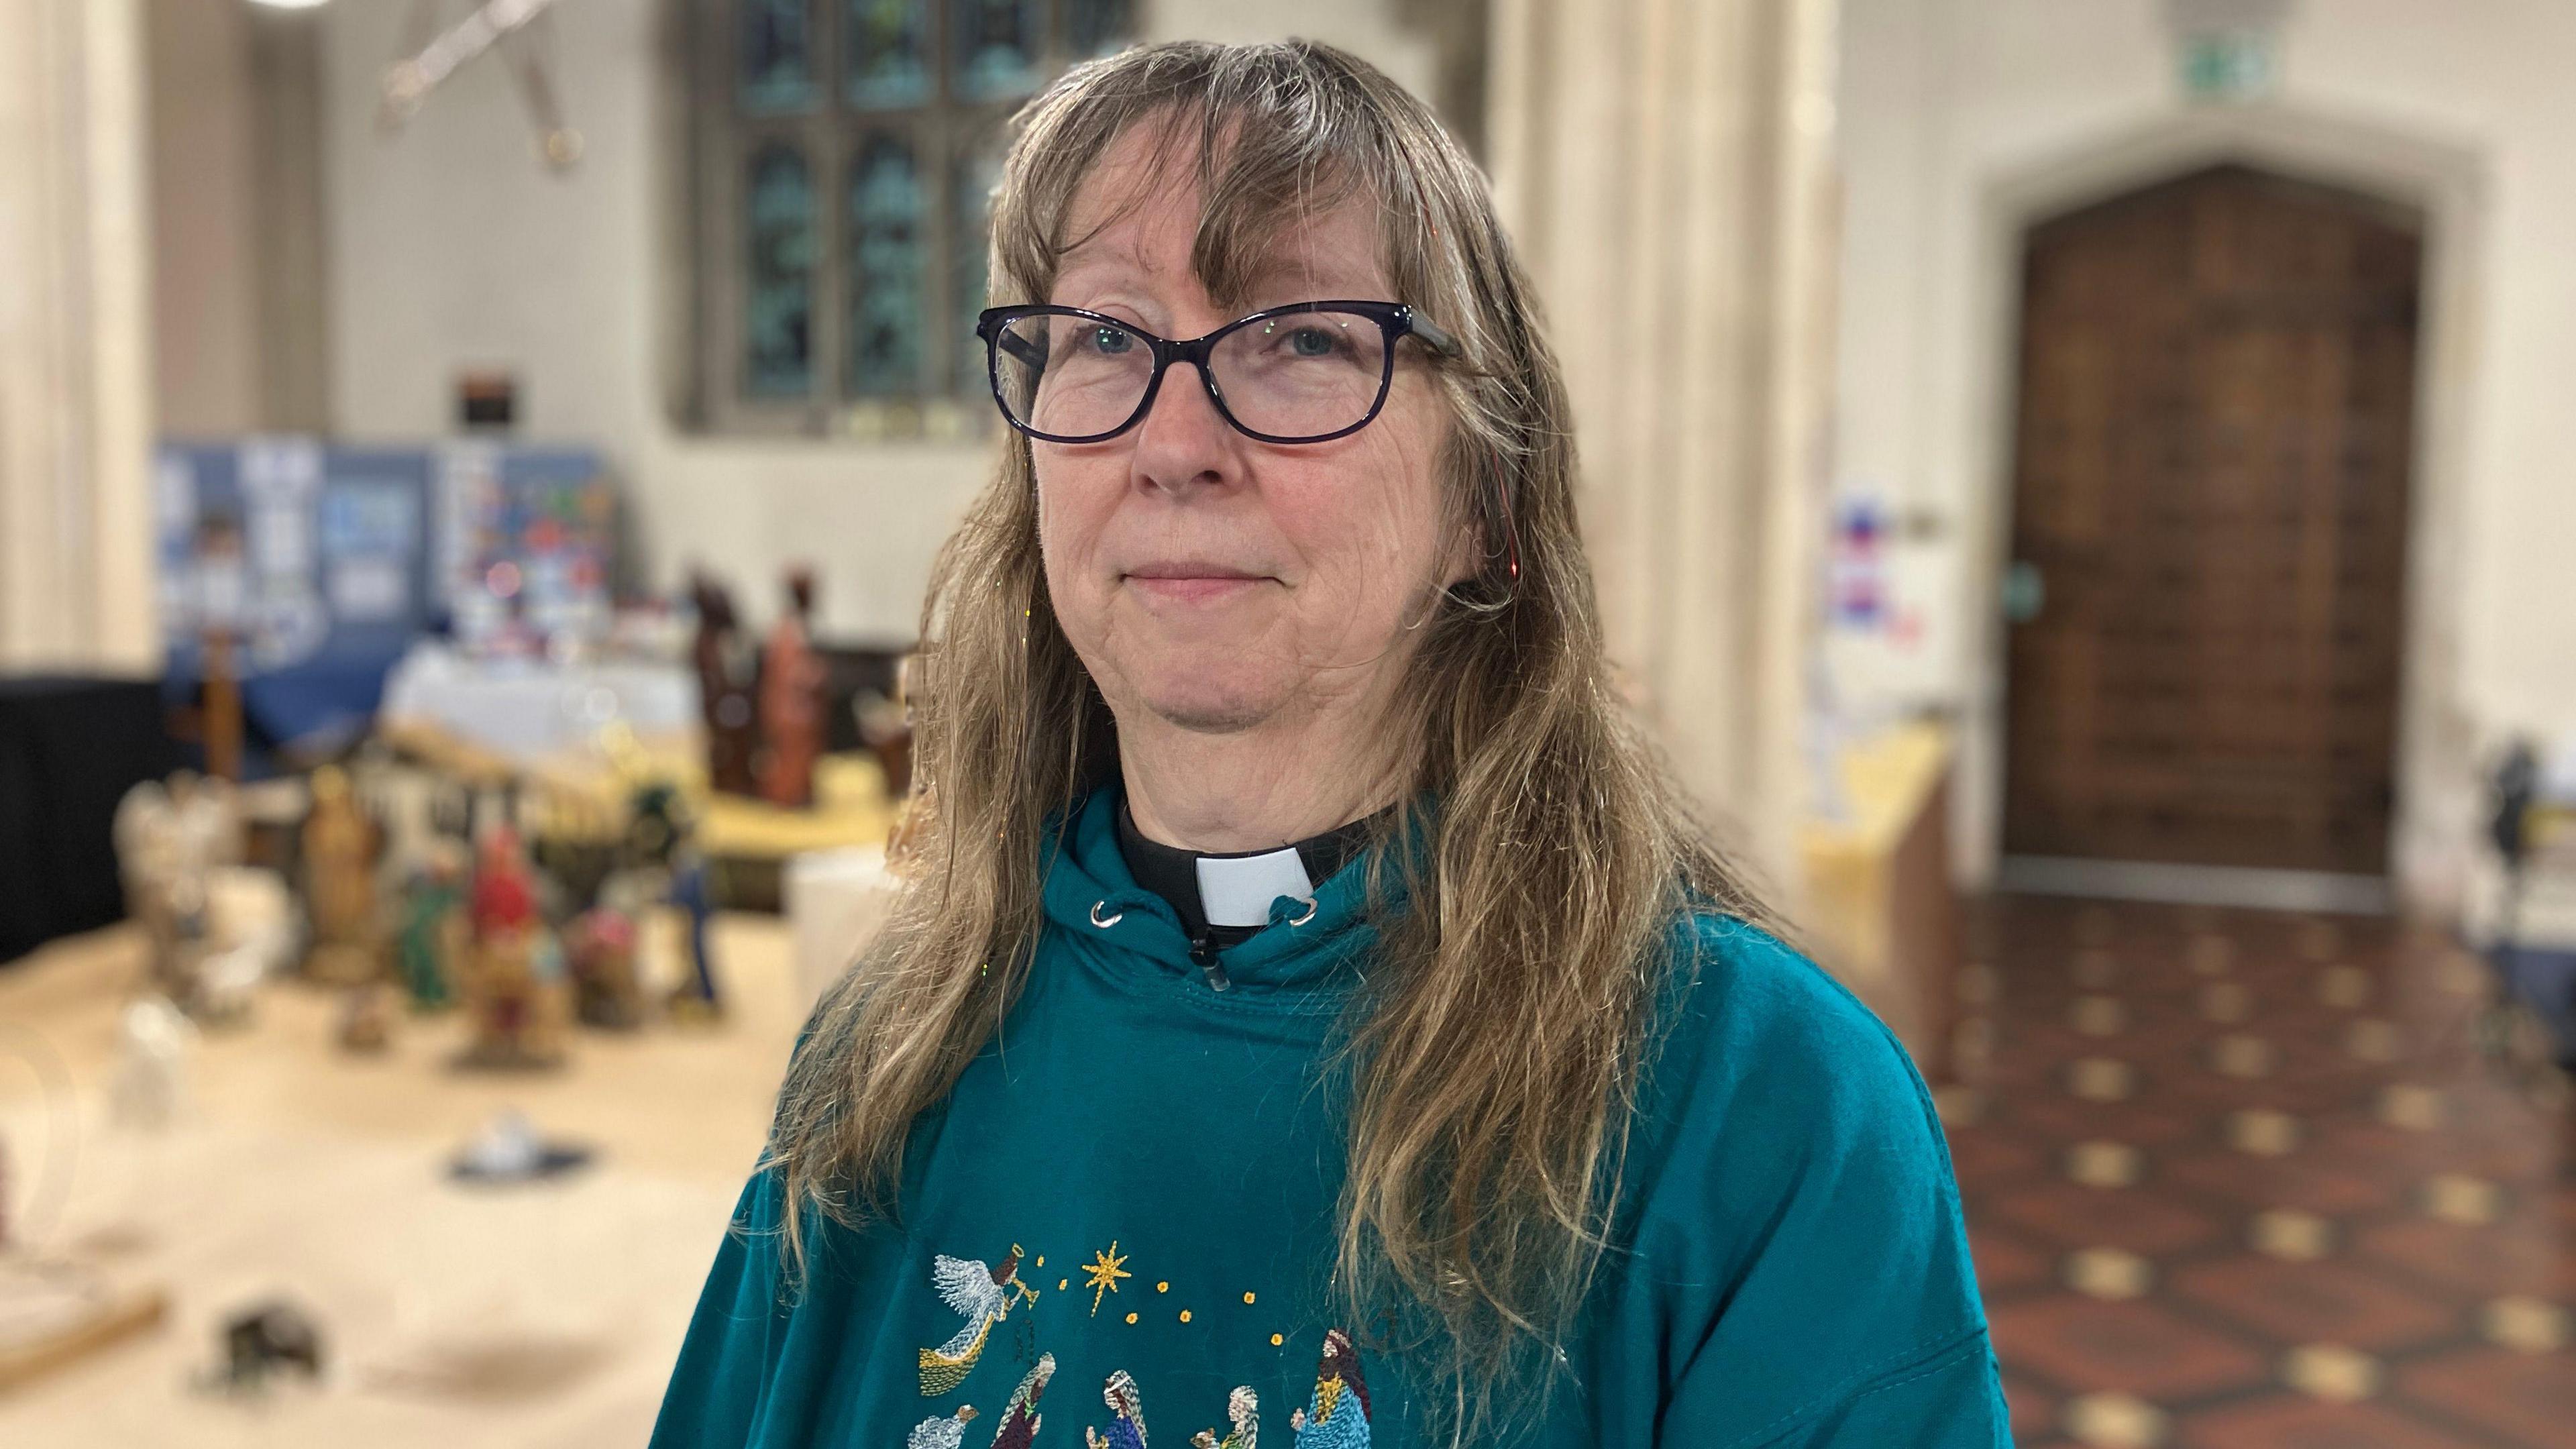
(1493,1063)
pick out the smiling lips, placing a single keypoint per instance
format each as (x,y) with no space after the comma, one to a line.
(1190,581)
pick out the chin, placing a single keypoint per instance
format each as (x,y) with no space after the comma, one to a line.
(1208,702)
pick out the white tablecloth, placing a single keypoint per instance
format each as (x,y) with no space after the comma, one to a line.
(531,708)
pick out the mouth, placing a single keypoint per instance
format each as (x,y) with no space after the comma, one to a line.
(1191,581)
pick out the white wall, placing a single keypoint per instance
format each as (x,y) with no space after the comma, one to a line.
(1948,107)
(452,248)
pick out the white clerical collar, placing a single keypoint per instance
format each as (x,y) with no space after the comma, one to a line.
(1236,890)
(1233,893)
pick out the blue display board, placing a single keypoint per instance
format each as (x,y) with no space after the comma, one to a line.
(324,563)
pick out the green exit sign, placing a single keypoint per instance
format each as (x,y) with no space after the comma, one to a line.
(2228,66)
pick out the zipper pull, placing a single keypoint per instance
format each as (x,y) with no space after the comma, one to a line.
(1203,953)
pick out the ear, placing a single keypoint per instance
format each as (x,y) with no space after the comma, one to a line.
(1466,546)
(1471,549)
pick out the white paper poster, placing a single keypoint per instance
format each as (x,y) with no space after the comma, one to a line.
(370,590)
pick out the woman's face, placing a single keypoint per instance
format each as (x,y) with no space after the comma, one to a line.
(1206,578)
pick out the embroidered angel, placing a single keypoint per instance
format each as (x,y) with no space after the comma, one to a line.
(1338,1416)
(984,1296)
(1243,1409)
(1129,1430)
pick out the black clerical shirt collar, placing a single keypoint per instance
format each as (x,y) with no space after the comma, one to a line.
(1223,899)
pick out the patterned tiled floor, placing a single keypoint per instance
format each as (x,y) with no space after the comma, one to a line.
(2247,1179)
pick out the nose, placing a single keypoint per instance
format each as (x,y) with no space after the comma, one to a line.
(1183,440)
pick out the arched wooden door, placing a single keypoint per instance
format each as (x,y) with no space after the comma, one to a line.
(2209,519)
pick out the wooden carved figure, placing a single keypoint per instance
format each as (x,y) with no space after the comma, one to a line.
(340,846)
(791,701)
(724,694)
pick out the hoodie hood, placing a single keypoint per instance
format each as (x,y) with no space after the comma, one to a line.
(1311,949)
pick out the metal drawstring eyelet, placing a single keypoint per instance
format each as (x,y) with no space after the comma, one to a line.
(1105,925)
(1310,913)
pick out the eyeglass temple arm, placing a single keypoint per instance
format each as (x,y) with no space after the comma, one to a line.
(1019,347)
(1433,335)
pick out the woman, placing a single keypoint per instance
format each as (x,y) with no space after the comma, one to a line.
(1312,1012)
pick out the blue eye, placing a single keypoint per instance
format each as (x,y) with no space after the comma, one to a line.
(1110,341)
(1310,342)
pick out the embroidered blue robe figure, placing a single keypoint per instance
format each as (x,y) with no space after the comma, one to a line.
(1129,1430)
(1338,1416)
(1243,1410)
(1020,1417)
(945,1433)
(984,1296)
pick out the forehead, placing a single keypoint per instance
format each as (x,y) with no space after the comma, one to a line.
(1141,214)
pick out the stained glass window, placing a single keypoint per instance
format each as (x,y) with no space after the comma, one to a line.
(994,45)
(888,60)
(778,330)
(852,150)
(776,56)
(885,287)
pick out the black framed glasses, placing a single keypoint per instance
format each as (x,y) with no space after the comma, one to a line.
(1309,372)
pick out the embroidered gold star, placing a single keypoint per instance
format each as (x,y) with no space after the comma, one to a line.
(1103,1273)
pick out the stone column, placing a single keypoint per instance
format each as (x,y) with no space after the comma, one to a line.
(1665,167)
(76,556)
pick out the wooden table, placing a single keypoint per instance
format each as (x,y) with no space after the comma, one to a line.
(1881,909)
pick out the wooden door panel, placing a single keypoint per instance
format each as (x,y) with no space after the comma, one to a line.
(2211,461)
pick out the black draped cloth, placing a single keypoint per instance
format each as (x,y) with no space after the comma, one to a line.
(69,750)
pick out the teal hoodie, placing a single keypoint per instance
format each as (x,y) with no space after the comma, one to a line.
(1124,1214)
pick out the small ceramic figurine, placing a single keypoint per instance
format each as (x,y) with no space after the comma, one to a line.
(183,931)
(791,700)
(263,1341)
(228,979)
(514,990)
(724,692)
(434,932)
(340,848)
(154,1041)
(170,840)
(367,1018)
(653,826)
(600,945)
(697,998)
(513,985)
(640,887)
(508,1149)
(505,890)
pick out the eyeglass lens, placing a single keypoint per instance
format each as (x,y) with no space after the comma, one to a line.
(1301,374)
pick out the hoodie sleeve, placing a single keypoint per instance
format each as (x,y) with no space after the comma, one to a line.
(727,1360)
(1800,1273)
(1954,1401)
